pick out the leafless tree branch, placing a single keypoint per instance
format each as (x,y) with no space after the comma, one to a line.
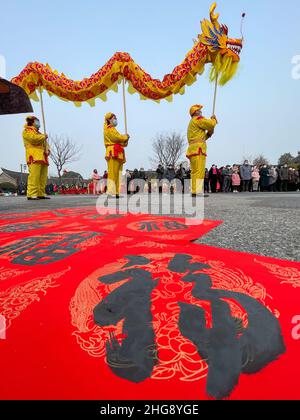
(168,149)
(63,151)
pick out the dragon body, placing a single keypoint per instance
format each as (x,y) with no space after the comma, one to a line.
(211,47)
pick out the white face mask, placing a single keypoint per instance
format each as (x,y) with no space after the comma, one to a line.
(37,124)
(114,122)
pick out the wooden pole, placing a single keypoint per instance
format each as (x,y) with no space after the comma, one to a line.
(124,105)
(215,95)
(42,108)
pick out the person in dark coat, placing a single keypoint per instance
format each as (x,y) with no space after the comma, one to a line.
(170,173)
(226,175)
(170,176)
(278,182)
(284,177)
(135,178)
(206,181)
(213,178)
(292,179)
(160,175)
(180,174)
(142,174)
(264,178)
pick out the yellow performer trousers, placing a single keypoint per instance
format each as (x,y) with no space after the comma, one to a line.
(114,169)
(197,173)
(37,180)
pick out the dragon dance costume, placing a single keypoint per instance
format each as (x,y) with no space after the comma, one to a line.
(199,130)
(212,45)
(115,154)
(37,152)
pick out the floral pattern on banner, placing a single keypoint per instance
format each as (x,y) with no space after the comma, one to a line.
(288,275)
(14,300)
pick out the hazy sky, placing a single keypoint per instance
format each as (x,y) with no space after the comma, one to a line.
(258,111)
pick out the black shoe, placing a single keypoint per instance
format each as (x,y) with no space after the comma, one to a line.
(119,196)
(200,195)
(44,198)
(33,198)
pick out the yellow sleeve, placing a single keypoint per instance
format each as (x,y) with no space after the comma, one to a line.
(115,137)
(207,124)
(34,138)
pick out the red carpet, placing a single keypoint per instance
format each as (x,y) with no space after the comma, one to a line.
(125,307)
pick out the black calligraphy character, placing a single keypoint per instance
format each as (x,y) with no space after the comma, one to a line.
(148,226)
(228,348)
(135,358)
(174,225)
(36,250)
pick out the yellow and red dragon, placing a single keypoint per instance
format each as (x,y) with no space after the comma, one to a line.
(212,46)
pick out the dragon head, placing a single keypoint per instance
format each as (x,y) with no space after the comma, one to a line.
(224,52)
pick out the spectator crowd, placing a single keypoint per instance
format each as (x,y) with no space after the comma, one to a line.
(251,178)
(225,179)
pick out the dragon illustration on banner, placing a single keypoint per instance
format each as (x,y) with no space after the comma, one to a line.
(213,46)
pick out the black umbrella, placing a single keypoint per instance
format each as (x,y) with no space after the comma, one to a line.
(13,99)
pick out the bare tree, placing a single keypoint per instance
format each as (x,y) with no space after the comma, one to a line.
(168,149)
(260,160)
(63,151)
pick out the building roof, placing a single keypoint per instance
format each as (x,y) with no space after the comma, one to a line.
(71,174)
(17,176)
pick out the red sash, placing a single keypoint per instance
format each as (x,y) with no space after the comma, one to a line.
(118,149)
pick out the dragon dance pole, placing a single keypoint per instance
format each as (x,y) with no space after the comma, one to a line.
(42,108)
(124,105)
(215,95)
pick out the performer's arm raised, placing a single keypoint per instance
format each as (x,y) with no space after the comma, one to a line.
(115,137)
(207,124)
(34,138)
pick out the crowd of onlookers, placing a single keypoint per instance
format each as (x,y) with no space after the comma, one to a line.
(252,178)
(229,178)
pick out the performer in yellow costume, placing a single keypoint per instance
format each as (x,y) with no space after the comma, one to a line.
(115,154)
(37,152)
(200,129)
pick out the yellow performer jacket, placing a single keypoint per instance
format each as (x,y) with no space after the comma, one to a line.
(114,143)
(36,146)
(198,129)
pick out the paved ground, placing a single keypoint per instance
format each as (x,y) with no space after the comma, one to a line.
(260,223)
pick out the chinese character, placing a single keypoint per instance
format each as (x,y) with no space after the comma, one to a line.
(36,250)
(135,358)
(229,347)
